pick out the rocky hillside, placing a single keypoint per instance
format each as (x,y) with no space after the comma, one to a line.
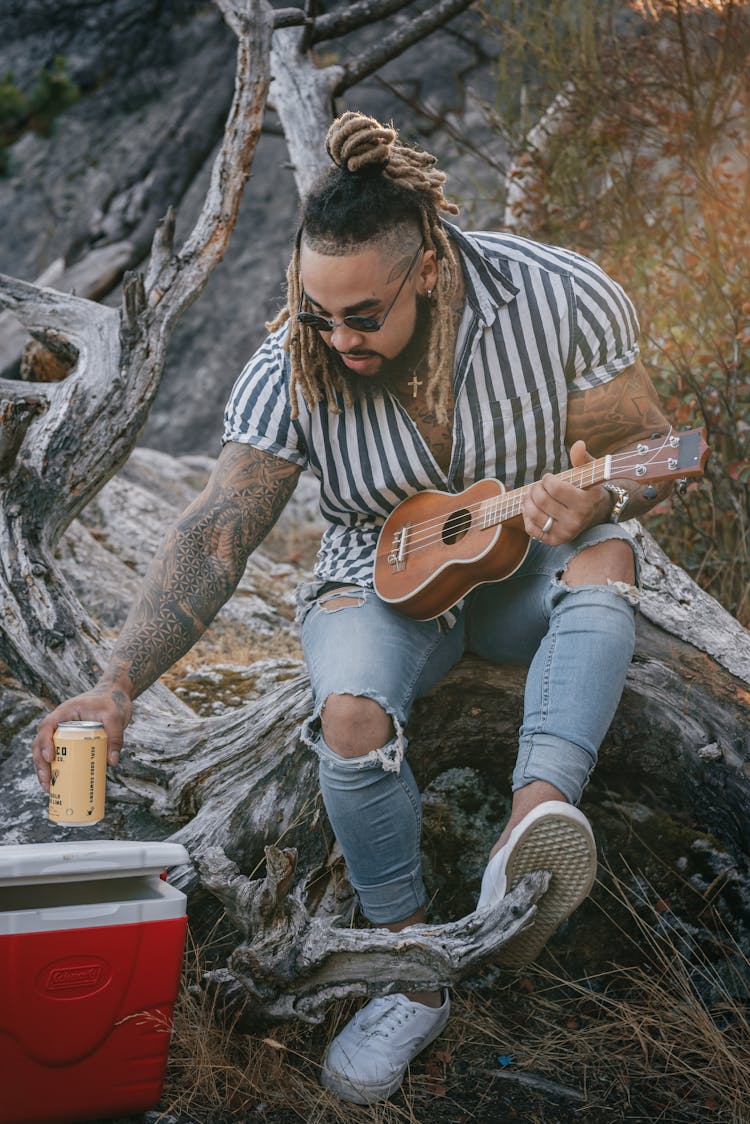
(155,80)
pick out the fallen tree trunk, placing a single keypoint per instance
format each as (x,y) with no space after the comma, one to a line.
(250,792)
(291,966)
(244,787)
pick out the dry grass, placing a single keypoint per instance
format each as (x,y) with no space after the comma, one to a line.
(219,1074)
(667,1039)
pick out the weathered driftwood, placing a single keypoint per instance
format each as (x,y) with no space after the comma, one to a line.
(250,791)
(291,965)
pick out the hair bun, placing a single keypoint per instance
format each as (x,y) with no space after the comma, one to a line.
(356,142)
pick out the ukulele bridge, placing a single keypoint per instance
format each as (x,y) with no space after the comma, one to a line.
(397,557)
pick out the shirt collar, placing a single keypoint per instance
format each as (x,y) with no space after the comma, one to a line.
(488,284)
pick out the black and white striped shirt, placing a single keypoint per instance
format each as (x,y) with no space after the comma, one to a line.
(539,321)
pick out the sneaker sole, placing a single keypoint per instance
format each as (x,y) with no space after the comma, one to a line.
(565,847)
(369,1094)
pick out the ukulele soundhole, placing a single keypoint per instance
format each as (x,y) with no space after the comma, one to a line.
(456,526)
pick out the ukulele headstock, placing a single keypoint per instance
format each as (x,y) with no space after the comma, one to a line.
(663,457)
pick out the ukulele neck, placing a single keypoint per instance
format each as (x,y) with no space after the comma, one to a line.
(509,504)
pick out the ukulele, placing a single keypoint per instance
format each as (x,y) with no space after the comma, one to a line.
(435,547)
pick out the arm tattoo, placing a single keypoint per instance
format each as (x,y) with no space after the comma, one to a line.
(200,563)
(615,416)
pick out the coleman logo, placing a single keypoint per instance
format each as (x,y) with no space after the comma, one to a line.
(81,978)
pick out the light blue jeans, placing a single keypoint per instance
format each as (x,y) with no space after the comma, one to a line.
(578,643)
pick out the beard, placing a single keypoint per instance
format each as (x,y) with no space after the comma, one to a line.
(396,371)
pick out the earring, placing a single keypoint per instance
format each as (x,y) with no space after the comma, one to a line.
(429,294)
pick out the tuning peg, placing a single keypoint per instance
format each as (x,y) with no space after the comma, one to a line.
(681,486)
(650,493)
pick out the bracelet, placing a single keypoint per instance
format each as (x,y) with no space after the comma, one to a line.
(621,501)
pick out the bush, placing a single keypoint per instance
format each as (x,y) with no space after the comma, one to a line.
(639,156)
(51,93)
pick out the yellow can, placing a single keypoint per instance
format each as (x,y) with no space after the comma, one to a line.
(79,774)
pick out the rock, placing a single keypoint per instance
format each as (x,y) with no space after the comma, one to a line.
(142,136)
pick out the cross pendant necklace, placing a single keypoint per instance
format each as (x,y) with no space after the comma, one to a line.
(415,384)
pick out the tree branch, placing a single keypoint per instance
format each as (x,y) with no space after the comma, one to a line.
(332,25)
(303,98)
(290,17)
(399,41)
(185,275)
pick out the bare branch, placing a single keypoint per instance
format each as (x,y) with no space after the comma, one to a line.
(399,41)
(162,248)
(360,14)
(444,122)
(40,309)
(133,304)
(541,1084)
(185,276)
(290,17)
(303,98)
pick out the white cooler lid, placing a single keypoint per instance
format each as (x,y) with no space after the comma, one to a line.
(73,862)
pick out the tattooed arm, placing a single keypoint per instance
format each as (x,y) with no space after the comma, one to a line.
(614,417)
(200,563)
(194,573)
(602,420)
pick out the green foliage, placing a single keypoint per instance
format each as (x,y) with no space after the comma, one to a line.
(51,93)
(638,154)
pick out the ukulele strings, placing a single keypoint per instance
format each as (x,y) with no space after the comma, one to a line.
(506,501)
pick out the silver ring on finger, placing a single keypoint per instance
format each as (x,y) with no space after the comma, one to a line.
(548,525)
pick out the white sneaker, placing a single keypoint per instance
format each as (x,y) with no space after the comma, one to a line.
(556,837)
(367,1061)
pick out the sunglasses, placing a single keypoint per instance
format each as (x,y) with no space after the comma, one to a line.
(356,323)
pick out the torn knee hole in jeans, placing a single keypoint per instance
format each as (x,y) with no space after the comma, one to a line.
(628,590)
(389,756)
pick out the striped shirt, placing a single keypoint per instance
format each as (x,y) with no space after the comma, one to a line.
(538,322)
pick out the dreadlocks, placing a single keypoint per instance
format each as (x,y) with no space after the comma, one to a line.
(379,191)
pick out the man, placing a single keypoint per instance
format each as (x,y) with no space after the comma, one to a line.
(413,356)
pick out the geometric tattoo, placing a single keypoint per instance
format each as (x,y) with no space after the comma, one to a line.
(200,563)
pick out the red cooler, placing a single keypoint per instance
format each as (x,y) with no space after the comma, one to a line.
(91,944)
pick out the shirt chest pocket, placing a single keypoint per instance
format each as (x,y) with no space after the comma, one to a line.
(524,434)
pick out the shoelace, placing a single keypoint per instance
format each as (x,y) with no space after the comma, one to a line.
(385,1019)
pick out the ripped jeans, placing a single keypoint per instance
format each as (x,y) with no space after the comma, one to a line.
(577,642)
